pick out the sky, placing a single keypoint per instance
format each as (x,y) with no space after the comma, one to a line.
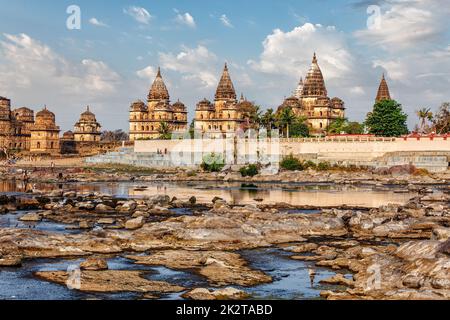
(112,59)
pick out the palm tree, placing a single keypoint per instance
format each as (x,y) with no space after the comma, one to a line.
(285,119)
(268,119)
(164,131)
(424,114)
(255,116)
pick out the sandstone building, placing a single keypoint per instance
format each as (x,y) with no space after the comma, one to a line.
(226,114)
(15,126)
(310,100)
(45,134)
(146,120)
(87,129)
(383,91)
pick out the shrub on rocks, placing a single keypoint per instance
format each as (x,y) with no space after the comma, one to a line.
(249,171)
(291,163)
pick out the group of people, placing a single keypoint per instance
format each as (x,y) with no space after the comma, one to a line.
(162,152)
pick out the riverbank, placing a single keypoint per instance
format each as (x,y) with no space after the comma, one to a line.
(79,172)
(391,252)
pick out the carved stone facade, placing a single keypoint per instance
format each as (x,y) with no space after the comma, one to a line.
(15,126)
(45,134)
(146,121)
(87,129)
(383,91)
(310,100)
(226,114)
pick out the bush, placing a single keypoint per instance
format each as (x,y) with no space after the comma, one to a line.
(324,166)
(292,164)
(310,165)
(213,163)
(249,171)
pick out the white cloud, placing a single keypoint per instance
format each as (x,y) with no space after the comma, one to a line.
(147,73)
(405,24)
(226,21)
(139,14)
(290,53)
(357,90)
(34,74)
(94,21)
(185,19)
(195,64)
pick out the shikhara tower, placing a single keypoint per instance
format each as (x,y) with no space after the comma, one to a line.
(226,114)
(146,120)
(310,100)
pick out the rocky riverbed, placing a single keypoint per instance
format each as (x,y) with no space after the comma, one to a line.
(397,251)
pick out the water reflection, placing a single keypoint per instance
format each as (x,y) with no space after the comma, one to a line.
(319,195)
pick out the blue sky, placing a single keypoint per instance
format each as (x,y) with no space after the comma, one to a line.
(112,60)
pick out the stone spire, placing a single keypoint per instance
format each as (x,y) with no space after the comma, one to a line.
(299,90)
(314,85)
(383,91)
(225,89)
(158,90)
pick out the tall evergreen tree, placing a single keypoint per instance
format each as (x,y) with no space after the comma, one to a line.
(387,119)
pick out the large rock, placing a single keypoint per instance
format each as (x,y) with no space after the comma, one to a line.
(31,217)
(109,281)
(94,264)
(134,224)
(103,208)
(220,294)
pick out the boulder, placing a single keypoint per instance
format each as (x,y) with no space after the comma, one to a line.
(85,206)
(103,208)
(220,294)
(31,217)
(94,264)
(134,224)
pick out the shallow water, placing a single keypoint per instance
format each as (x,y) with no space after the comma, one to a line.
(291,279)
(315,195)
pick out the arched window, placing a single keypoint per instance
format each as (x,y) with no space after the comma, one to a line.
(38,145)
(321,125)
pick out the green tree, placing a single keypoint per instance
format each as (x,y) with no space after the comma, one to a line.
(268,120)
(192,129)
(164,131)
(337,126)
(424,115)
(256,116)
(343,125)
(441,119)
(387,119)
(285,119)
(299,128)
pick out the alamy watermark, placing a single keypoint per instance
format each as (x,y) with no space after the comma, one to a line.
(73,21)
(374,20)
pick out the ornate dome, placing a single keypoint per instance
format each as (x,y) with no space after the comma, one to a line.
(205,104)
(225,89)
(299,90)
(179,106)
(138,106)
(45,116)
(163,106)
(314,85)
(24,114)
(88,116)
(5,102)
(158,90)
(337,103)
(291,102)
(68,135)
(383,91)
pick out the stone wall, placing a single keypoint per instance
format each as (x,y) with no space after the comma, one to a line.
(429,153)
